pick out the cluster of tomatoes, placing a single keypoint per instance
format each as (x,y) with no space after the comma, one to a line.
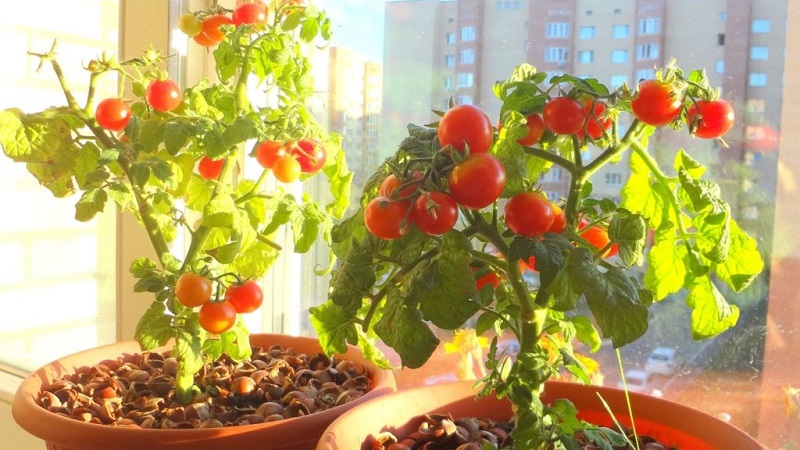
(287,160)
(114,113)
(193,290)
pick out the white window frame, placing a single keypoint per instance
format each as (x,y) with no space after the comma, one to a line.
(757,79)
(586,56)
(647,51)
(465,80)
(466,56)
(557,30)
(587,32)
(556,55)
(468,34)
(649,25)
(620,56)
(621,31)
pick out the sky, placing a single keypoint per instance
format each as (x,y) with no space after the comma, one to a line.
(357,24)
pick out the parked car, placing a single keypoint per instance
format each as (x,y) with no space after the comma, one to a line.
(638,380)
(662,361)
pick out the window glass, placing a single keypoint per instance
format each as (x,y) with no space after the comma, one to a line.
(761,25)
(585,56)
(557,30)
(757,79)
(759,53)
(586,33)
(619,56)
(621,31)
(649,25)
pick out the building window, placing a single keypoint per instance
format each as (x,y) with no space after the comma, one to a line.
(647,51)
(619,56)
(464,100)
(557,30)
(721,39)
(618,80)
(586,56)
(723,16)
(720,66)
(556,54)
(372,134)
(468,34)
(645,74)
(450,38)
(760,26)
(617,10)
(650,25)
(586,33)
(465,80)
(620,31)
(467,56)
(589,12)
(756,106)
(614,179)
(757,79)
(448,83)
(449,60)
(759,53)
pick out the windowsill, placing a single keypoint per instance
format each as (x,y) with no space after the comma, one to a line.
(8,386)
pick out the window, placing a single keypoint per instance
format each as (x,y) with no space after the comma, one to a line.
(468,34)
(464,100)
(465,80)
(721,39)
(618,80)
(647,51)
(467,56)
(756,106)
(450,38)
(650,25)
(586,56)
(619,56)
(719,66)
(761,26)
(449,60)
(759,53)
(586,33)
(557,30)
(621,31)
(448,83)
(757,79)
(645,74)
(723,16)
(555,54)
(617,11)
(613,179)
(589,12)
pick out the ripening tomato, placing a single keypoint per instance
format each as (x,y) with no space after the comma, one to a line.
(559,220)
(596,120)
(212,27)
(564,115)
(536,128)
(466,126)
(217,317)
(390,185)
(434,213)
(489,278)
(245,297)
(251,13)
(310,154)
(267,152)
(203,40)
(113,114)
(386,218)
(477,181)
(209,169)
(163,95)
(190,24)
(530,264)
(656,103)
(286,169)
(710,119)
(598,237)
(192,289)
(529,214)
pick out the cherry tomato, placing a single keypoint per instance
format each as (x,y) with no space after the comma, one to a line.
(596,121)
(192,289)
(252,13)
(203,40)
(559,220)
(212,27)
(564,115)
(656,103)
(286,169)
(466,125)
(245,297)
(434,213)
(710,119)
(217,317)
(528,265)
(386,218)
(163,95)
(190,24)
(310,154)
(477,181)
(598,237)
(390,185)
(536,128)
(529,214)
(113,114)
(267,152)
(490,278)
(209,168)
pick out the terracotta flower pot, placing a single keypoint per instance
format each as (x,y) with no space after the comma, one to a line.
(670,422)
(61,433)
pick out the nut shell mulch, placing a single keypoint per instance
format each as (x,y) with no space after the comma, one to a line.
(274,384)
(442,432)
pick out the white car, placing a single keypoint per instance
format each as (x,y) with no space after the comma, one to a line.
(662,361)
(638,380)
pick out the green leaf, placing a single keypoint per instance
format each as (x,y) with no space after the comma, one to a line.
(340,181)
(91,203)
(177,135)
(685,162)
(220,211)
(198,193)
(335,326)
(142,266)
(241,130)
(354,278)
(86,163)
(188,346)
(403,329)
(226,254)
(307,224)
(643,195)
(254,260)
(743,262)
(711,313)
(630,233)
(666,268)
(705,195)
(140,174)
(155,327)
(371,351)
(586,332)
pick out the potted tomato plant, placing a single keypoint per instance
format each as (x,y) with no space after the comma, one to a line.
(173,157)
(458,206)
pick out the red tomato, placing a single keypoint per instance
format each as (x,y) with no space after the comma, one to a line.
(536,128)
(310,154)
(596,121)
(209,168)
(529,214)
(598,237)
(212,27)
(251,13)
(477,181)
(390,185)
(163,95)
(286,169)
(529,265)
(489,278)
(192,289)
(203,40)
(217,317)
(564,115)
(656,103)
(559,220)
(434,213)
(386,218)
(710,119)
(245,297)
(268,152)
(113,114)
(466,126)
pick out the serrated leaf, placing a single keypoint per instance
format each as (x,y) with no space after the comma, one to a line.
(91,203)
(403,329)
(586,332)
(220,211)
(630,233)
(711,313)
(335,326)
(354,278)
(743,262)
(666,269)
(155,327)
